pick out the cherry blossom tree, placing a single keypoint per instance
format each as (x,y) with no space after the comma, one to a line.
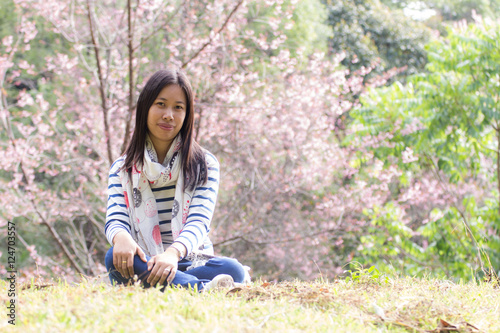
(275,114)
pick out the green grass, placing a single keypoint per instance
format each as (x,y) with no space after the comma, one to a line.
(364,305)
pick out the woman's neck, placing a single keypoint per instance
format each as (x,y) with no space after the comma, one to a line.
(161,150)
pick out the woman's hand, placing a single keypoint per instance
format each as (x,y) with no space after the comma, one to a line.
(124,250)
(163,267)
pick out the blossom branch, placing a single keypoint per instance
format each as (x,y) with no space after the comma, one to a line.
(155,31)
(211,38)
(101,84)
(283,240)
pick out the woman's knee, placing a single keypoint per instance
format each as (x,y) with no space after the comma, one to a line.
(108,259)
(229,266)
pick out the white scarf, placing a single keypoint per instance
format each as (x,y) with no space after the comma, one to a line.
(141,204)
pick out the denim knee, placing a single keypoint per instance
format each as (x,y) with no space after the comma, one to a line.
(229,266)
(108,259)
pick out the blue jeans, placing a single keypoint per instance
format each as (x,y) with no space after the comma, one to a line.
(196,277)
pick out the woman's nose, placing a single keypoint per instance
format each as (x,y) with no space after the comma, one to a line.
(168,114)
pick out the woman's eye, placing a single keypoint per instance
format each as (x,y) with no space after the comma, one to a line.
(160,104)
(179,107)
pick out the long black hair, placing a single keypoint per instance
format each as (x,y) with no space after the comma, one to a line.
(193,162)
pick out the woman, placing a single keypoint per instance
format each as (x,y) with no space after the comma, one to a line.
(162,194)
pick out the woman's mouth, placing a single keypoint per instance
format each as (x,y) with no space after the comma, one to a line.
(166,127)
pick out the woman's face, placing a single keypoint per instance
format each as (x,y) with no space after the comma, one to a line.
(166,116)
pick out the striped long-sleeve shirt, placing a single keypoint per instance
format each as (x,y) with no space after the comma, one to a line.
(194,234)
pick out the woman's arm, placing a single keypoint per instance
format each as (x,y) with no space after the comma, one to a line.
(117,218)
(117,226)
(201,209)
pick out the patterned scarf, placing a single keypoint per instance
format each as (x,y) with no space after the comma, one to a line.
(142,209)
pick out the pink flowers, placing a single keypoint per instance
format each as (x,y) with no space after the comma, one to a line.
(277,118)
(407,156)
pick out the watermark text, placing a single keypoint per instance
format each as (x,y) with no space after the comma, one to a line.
(11,273)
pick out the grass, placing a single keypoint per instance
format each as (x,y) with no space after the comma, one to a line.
(361,305)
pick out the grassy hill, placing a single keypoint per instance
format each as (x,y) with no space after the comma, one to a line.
(365,304)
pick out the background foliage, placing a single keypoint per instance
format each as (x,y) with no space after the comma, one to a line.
(371,33)
(345,130)
(453,112)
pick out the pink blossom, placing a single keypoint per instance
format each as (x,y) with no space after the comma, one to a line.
(407,155)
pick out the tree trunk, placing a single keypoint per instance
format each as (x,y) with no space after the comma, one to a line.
(130,45)
(102,85)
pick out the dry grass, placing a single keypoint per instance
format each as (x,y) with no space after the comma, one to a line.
(410,304)
(371,305)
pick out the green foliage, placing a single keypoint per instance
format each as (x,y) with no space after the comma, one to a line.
(449,116)
(309,30)
(365,275)
(46,42)
(369,30)
(443,12)
(456,103)
(452,10)
(443,245)
(8,17)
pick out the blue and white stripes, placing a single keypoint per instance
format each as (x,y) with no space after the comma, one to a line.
(194,234)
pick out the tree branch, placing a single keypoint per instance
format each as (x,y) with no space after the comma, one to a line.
(211,39)
(462,214)
(283,240)
(53,231)
(131,78)
(153,33)
(10,135)
(101,85)
(197,132)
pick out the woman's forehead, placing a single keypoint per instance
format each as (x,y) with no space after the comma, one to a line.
(172,92)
